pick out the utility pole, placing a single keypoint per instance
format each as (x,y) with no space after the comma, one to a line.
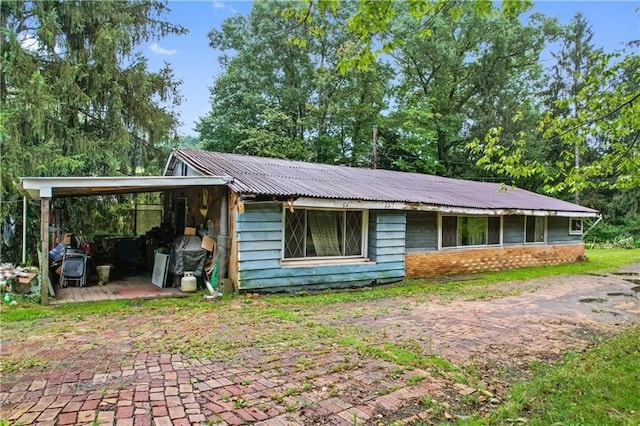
(577,167)
(375,147)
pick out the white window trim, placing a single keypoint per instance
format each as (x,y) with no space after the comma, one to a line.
(327,260)
(439,222)
(524,230)
(576,232)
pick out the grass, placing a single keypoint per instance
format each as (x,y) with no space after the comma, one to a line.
(392,352)
(474,287)
(10,366)
(596,387)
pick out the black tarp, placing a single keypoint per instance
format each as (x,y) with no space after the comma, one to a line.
(187,255)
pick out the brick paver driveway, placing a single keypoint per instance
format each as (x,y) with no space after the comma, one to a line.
(269,362)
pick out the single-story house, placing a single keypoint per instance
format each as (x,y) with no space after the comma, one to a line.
(290,225)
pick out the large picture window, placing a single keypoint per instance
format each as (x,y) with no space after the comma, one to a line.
(534,229)
(461,231)
(323,233)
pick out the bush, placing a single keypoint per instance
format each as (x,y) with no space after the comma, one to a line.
(607,235)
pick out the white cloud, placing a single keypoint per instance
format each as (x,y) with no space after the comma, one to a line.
(220,5)
(156,48)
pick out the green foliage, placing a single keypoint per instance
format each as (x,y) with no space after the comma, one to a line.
(284,97)
(469,75)
(625,234)
(601,129)
(593,388)
(319,94)
(77,96)
(371,22)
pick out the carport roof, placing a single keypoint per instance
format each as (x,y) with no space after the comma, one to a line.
(49,187)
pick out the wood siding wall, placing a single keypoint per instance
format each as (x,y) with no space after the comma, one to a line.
(259,235)
(558,231)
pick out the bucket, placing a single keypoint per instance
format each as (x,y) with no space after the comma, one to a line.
(103,273)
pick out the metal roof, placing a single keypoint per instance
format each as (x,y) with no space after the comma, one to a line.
(285,178)
(37,187)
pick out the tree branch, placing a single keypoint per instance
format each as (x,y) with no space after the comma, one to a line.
(602,117)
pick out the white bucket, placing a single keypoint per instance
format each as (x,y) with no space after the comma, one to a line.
(103,273)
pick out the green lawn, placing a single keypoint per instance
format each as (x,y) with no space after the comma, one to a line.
(598,387)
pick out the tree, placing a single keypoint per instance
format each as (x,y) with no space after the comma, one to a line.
(76,93)
(607,125)
(370,22)
(573,61)
(470,74)
(281,90)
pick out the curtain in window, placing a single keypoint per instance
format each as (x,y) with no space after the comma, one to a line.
(472,231)
(493,230)
(534,232)
(325,232)
(449,224)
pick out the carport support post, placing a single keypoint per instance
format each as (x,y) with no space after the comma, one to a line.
(24,230)
(223,238)
(44,259)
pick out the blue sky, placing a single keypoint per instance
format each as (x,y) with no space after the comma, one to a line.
(196,64)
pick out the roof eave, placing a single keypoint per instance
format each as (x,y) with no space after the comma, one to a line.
(394,205)
(48,187)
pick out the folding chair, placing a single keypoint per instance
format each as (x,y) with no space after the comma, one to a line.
(74,267)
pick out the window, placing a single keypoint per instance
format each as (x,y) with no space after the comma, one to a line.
(575,226)
(460,231)
(323,233)
(534,229)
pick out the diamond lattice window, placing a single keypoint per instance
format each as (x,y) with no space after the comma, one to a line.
(323,233)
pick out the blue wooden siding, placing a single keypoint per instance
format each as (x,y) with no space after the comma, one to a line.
(260,234)
(513,230)
(422,231)
(558,231)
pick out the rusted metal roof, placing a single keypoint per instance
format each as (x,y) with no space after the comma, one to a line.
(285,178)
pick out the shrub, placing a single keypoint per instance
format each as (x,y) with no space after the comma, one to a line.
(607,235)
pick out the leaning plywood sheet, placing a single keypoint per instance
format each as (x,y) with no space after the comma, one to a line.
(160,267)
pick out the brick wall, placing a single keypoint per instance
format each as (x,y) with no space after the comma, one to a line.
(461,261)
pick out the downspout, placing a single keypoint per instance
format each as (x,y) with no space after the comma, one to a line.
(592,226)
(223,238)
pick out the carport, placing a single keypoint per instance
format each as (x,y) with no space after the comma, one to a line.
(47,189)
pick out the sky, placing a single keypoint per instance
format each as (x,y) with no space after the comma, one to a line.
(196,63)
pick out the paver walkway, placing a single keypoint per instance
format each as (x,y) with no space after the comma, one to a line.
(297,366)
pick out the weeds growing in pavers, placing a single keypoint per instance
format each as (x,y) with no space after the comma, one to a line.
(239,402)
(8,365)
(387,390)
(414,380)
(224,330)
